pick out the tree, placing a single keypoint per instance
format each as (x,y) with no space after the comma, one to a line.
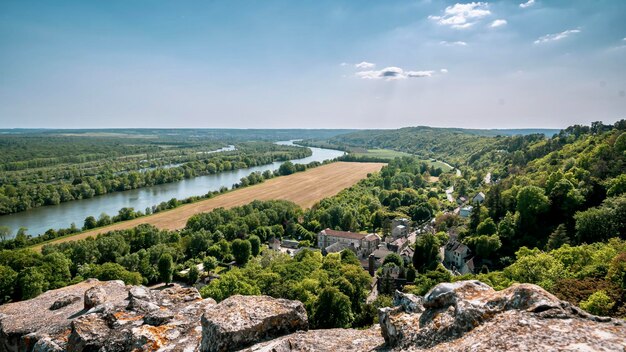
(56,268)
(506,227)
(531,202)
(483,245)
(420,213)
(30,283)
(90,223)
(599,303)
(395,259)
(286,168)
(594,224)
(241,251)
(426,253)
(487,227)
(332,310)
(104,220)
(7,283)
(255,243)
(166,268)
(5,231)
(558,238)
(193,275)
(410,273)
(209,263)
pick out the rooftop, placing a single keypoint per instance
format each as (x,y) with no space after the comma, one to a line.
(344,234)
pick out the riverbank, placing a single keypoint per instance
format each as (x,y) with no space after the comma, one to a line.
(304,188)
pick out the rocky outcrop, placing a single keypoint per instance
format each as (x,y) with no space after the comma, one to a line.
(110,316)
(462,316)
(328,340)
(240,321)
(471,316)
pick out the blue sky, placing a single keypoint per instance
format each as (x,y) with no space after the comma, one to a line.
(311,64)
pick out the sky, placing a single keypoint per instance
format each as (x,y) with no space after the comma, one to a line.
(311,64)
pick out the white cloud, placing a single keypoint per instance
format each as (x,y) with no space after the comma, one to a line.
(556,36)
(498,23)
(364,65)
(462,16)
(392,73)
(624,39)
(344,64)
(444,70)
(526,4)
(457,43)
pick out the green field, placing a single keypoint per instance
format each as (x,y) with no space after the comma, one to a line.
(381,153)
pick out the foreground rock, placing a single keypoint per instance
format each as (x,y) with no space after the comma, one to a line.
(471,316)
(240,321)
(95,315)
(463,316)
(330,340)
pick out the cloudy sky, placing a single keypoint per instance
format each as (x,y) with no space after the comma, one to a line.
(311,64)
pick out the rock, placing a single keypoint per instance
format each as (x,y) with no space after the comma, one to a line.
(409,303)
(45,344)
(327,340)
(158,318)
(140,292)
(89,332)
(240,321)
(132,318)
(64,301)
(23,324)
(469,315)
(94,296)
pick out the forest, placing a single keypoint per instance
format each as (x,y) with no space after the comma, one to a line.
(554,214)
(41,169)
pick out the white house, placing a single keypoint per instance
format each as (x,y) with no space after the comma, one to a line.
(458,257)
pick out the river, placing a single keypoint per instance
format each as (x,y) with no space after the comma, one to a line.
(41,219)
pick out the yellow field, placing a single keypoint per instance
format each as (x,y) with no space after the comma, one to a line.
(303,188)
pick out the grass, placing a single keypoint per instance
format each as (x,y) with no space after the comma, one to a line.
(303,188)
(381,153)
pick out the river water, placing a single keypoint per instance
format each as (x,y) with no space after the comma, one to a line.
(39,220)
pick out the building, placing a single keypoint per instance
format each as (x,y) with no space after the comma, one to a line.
(377,258)
(399,244)
(363,244)
(479,198)
(274,243)
(458,257)
(399,231)
(290,244)
(466,211)
(400,221)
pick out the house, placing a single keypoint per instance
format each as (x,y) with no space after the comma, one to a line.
(398,245)
(400,221)
(377,258)
(479,198)
(466,211)
(399,231)
(458,257)
(461,200)
(290,244)
(274,243)
(363,244)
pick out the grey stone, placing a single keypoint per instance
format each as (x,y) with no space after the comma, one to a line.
(240,321)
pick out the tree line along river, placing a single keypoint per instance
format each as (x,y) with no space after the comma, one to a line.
(39,220)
